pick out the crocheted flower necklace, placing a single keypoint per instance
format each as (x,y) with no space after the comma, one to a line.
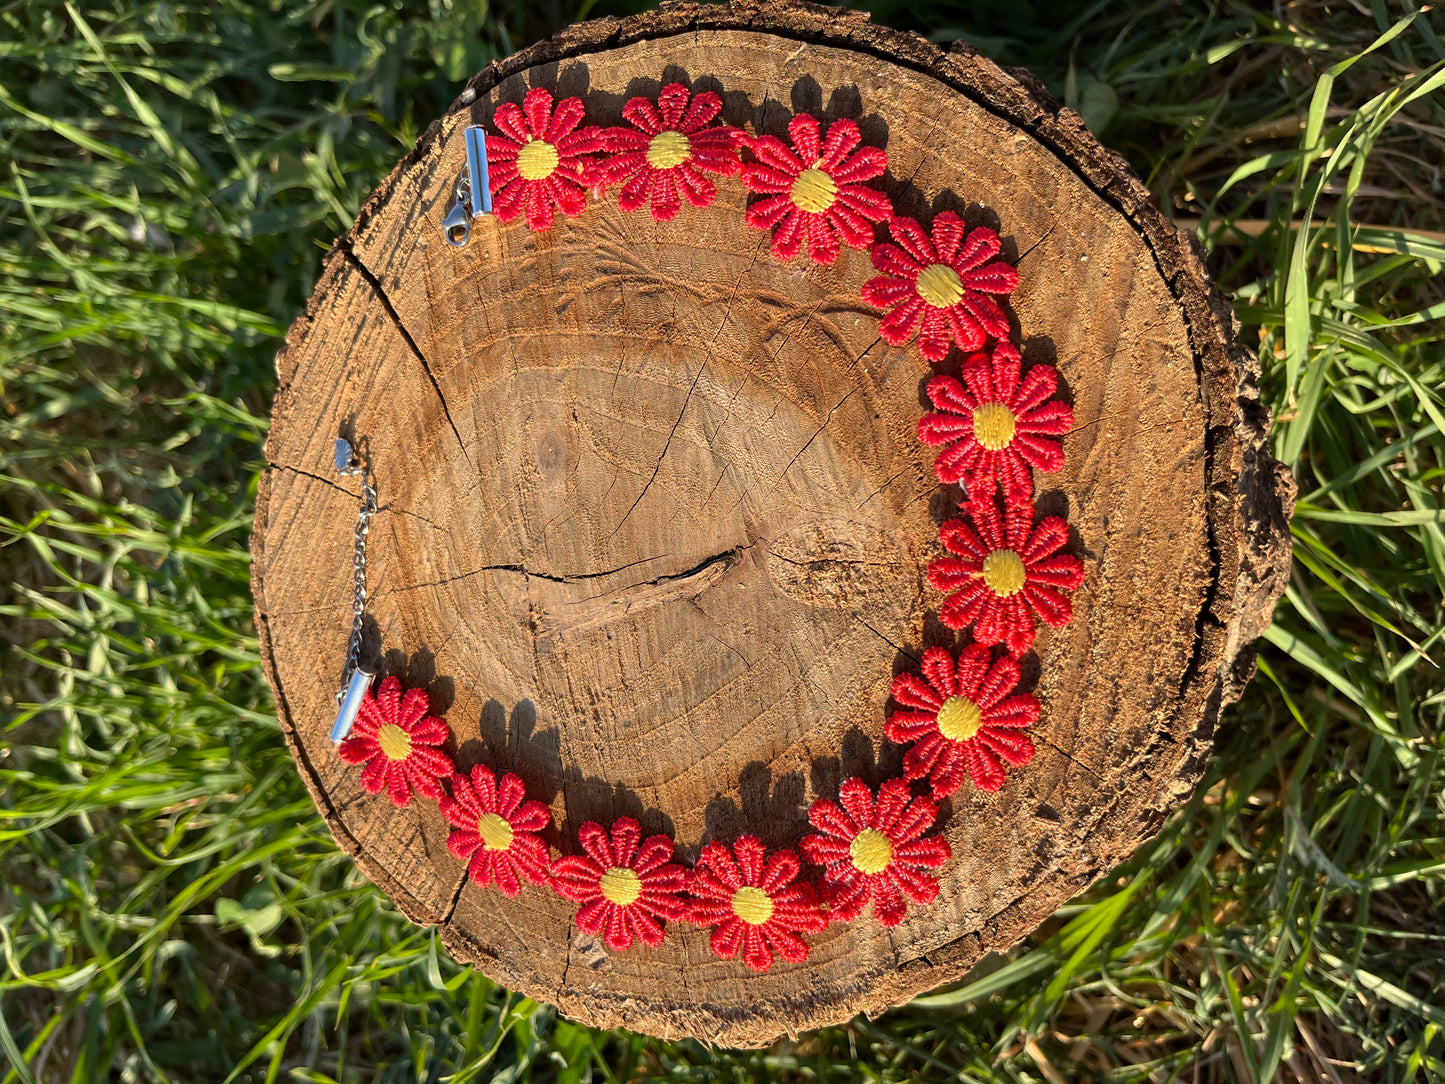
(996,425)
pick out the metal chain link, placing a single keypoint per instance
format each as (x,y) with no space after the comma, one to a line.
(348,464)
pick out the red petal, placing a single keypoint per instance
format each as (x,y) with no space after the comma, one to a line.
(577,879)
(778,873)
(749,851)
(1050,535)
(917,886)
(983,309)
(513,125)
(625,835)
(786,945)
(887,292)
(641,113)
(980,246)
(843,136)
(537,106)
(888,905)
(1037,452)
(920,759)
(857,800)
(948,231)
(905,726)
(774,159)
(947,774)
(911,691)
(532,817)
(961,609)
(823,246)
(463,843)
(893,799)
(867,202)
(1055,609)
(893,260)
(648,930)
(358,749)
(933,338)
(967,331)
(1016,748)
(756,953)
(1017,711)
(656,852)
(396,785)
(899,325)
(803,131)
(788,238)
(671,103)
(704,108)
(993,683)
(727,938)
(767,213)
(984,767)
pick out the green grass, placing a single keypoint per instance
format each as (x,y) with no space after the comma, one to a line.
(173,909)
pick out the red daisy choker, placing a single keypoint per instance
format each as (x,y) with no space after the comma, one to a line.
(1004,568)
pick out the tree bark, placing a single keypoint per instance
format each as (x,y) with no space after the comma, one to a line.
(655,523)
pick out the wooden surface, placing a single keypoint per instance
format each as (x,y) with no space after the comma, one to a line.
(655,522)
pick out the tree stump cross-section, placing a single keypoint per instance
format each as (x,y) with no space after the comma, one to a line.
(655,523)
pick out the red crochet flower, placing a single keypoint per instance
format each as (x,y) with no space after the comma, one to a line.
(540,162)
(874,851)
(624,889)
(664,155)
(752,904)
(399,742)
(942,283)
(1005,572)
(965,716)
(814,191)
(995,426)
(497,830)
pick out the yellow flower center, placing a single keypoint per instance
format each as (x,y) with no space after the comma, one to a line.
(668,149)
(621,886)
(939,285)
(394,741)
(1003,571)
(536,160)
(813,191)
(993,425)
(496,833)
(871,852)
(959,719)
(752,905)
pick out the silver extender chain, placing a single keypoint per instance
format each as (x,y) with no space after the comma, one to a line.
(346,464)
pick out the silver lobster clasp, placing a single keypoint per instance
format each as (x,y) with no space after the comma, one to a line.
(473,191)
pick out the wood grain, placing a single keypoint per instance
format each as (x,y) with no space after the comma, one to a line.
(655,522)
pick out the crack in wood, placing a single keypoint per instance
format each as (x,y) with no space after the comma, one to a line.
(396,509)
(832,559)
(1047,234)
(663,454)
(580,577)
(826,422)
(908,654)
(381,295)
(391,506)
(728,412)
(456,898)
(711,347)
(881,488)
(332,482)
(1067,755)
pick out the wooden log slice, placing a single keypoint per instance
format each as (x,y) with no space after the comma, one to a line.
(655,522)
